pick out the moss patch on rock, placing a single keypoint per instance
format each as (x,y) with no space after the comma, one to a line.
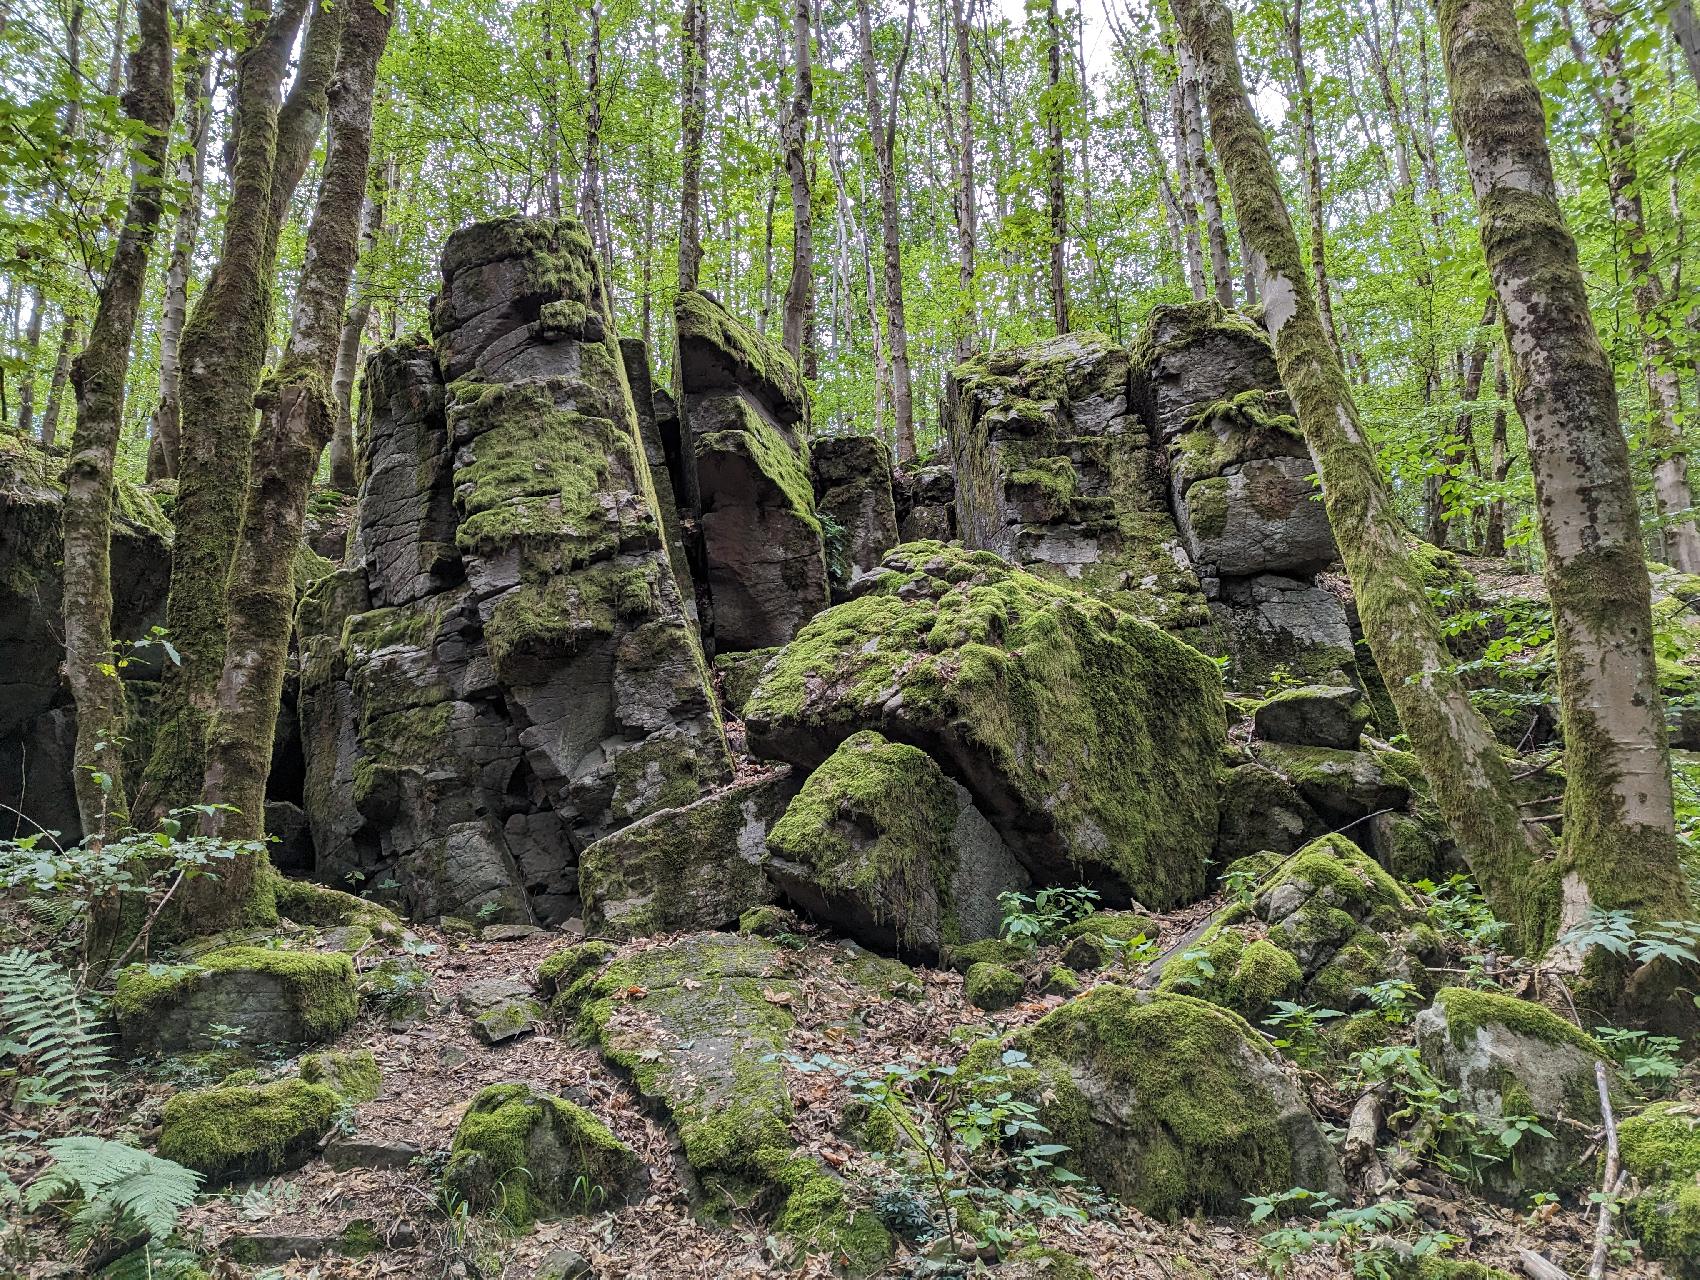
(354,1076)
(246,1131)
(992,986)
(274,996)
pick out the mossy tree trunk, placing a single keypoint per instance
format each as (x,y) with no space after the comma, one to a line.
(1056,170)
(1312,160)
(192,176)
(1203,174)
(297,419)
(1619,849)
(693,118)
(223,352)
(98,376)
(1457,751)
(1660,361)
(799,292)
(882,130)
(968,323)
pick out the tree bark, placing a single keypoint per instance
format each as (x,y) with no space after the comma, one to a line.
(223,352)
(968,321)
(164,434)
(31,344)
(1056,172)
(68,331)
(591,201)
(1195,276)
(1493,538)
(1204,174)
(98,376)
(800,291)
(1661,363)
(1619,849)
(1451,741)
(297,417)
(1470,386)
(882,128)
(693,118)
(343,477)
(1312,162)
(1687,32)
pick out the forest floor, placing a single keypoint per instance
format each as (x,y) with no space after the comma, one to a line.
(433,1067)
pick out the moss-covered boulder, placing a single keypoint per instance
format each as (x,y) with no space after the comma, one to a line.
(882,845)
(1087,738)
(1662,1143)
(1344,786)
(353,1076)
(564,967)
(991,986)
(501,1009)
(1508,1057)
(526,1155)
(1168,1103)
(1056,472)
(1260,810)
(247,1131)
(698,866)
(1315,715)
(1322,923)
(736,675)
(1667,1218)
(270,996)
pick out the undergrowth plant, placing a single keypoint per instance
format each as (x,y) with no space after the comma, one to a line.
(49,1036)
(119,1196)
(1366,1238)
(1041,917)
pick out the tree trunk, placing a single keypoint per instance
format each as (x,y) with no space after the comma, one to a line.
(882,127)
(1455,445)
(1619,850)
(1687,31)
(1660,361)
(591,201)
(343,477)
(1056,171)
(1312,163)
(223,352)
(192,177)
(1493,539)
(693,118)
(68,330)
(800,292)
(968,322)
(1204,174)
(1195,276)
(98,376)
(1155,160)
(297,417)
(1452,742)
(31,344)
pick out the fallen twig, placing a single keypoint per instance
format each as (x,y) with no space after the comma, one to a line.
(1611,1184)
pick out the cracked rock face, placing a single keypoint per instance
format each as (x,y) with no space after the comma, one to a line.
(505,670)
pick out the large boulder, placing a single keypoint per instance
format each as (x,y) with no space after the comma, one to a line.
(526,1155)
(924,490)
(1168,1103)
(744,409)
(852,478)
(265,995)
(695,867)
(1508,1057)
(508,668)
(1087,738)
(247,1131)
(1315,715)
(1056,472)
(882,845)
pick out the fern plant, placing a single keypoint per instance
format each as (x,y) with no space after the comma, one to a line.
(121,1189)
(46,1029)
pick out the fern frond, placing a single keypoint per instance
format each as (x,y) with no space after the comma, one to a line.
(44,1025)
(54,913)
(114,1179)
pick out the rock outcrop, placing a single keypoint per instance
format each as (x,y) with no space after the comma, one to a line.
(1087,738)
(853,494)
(506,670)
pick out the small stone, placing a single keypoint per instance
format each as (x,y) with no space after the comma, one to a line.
(500,1008)
(370,1153)
(1315,716)
(508,932)
(565,1264)
(992,986)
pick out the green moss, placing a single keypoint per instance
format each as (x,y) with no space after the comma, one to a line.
(1060,981)
(317,986)
(1118,926)
(1662,1143)
(353,1075)
(303,902)
(1467,1011)
(1227,968)
(737,674)
(1207,507)
(993,986)
(1057,1265)
(562,968)
(1103,723)
(1454,1269)
(963,956)
(524,1155)
(702,320)
(814,1215)
(785,466)
(360,1238)
(768,920)
(1667,1218)
(246,1131)
(1176,326)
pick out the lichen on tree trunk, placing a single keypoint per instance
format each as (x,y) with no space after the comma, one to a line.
(297,419)
(1448,735)
(98,376)
(1619,849)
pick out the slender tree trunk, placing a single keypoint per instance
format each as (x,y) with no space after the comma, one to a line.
(98,376)
(591,201)
(343,476)
(1660,361)
(693,114)
(800,292)
(1620,850)
(1204,174)
(1312,162)
(968,322)
(1056,172)
(31,344)
(1687,31)
(68,331)
(192,178)
(1493,539)
(223,351)
(1157,163)
(882,126)
(297,417)
(1195,276)
(1452,742)
(1455,445)
(551,117)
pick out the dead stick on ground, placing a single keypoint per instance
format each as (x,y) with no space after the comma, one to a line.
(1610,1184)
(1538,1268)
